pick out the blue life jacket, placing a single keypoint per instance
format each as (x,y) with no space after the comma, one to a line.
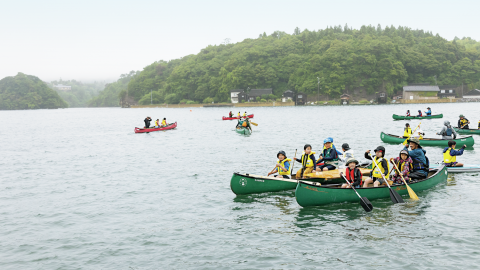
(419,165)
(449,132)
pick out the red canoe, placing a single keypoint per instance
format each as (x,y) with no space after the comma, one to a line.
(235,118)
(143,130)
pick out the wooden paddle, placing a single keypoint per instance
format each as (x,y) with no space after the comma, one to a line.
(294,159)
(255,124)
(405,142)
(396,198)
(364,202)
(411,193)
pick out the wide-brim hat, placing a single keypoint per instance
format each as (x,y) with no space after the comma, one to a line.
(428,108)
(350,160)
(283,153)
(461,115)
(415,140)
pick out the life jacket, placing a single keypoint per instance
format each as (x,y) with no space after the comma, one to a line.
(282,163)
(420,114)
(447,158)
(429,112)
(164,122)
(307,160)
(448,132)
(408,113)
(244,115)
(420,137)
(244,124)
(350,175)
(328,153)
(238,115)
(463,122)
(156,122)
(407,132)
(378,173)
(419,165)
(401,165)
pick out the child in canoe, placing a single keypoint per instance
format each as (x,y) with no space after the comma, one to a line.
(329,156)
(283,166)
(308,161)
(353,174)
(383,168)
(450,155)
(405,164)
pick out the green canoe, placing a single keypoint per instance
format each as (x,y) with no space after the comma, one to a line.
(393,139)
(467,131)
(243,130)
(309,194)
(248,183)
(403,117)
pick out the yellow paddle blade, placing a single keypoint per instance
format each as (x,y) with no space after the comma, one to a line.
(412,194)
(255,124)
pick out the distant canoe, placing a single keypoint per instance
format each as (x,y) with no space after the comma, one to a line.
(403,117)
(467,131)
(389,138)
(235,118)
(243,130)
(147,130)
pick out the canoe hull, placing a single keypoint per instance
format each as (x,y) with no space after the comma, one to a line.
(147,130)
(242,184)
(243,131)
(402,117)
(310,195)
(467,131)
(465,168)
(393,139)
(235,118)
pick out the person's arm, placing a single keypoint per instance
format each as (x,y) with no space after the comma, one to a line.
(458,152)
(367,156)
(298,160)
(332,156)
(385,166)
(272,172)
(314,162)
(442,131)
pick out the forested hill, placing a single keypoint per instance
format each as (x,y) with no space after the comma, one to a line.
(28,92)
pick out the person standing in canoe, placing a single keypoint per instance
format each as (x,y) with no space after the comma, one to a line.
(429,111)
(450,155)
(407,131)
(283,166)
(347,153)
(147,121)
(230,114)
(164,122)
(408,113)
(308,161)
(419,113)
(353,174)
(463,122)
(329,156)
(420,160)
(377,172)
(447,132)
(404,164)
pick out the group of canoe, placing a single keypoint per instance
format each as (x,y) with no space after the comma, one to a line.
(244,125)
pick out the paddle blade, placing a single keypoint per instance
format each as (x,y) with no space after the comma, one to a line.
(366,204)
(255,124)
(412,194)
(396,198)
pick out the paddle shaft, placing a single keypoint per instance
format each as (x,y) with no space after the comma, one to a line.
(399,173)
(404,142)
(350,184)
(411,193)
(373,160)
(294,159)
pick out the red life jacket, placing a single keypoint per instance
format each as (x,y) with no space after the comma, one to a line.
(350,175)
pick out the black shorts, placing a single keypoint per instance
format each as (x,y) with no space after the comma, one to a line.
(285,176)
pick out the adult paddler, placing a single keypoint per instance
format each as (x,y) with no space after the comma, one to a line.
(230,114)
(420,160)
(147,121)
(463,122)
(429,111)
(407,131)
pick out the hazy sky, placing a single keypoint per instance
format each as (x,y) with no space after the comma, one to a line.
(101,39)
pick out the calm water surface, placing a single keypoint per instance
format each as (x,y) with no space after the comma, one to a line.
(80,190)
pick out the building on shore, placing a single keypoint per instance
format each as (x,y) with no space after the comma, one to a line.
(381,97)
(300,98)
(287,95)
(474,94)
(446,93)
(234,95)
(62,87)
(254,93)
(420,91)
(345,99)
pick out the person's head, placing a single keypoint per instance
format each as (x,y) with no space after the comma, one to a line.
(461,116)
(419,110)
(407,125)
(414,143)
(420,132)
(345,147)
(428,108)
(158,119)
(164,118)
(452,144)
(404,154)
(408,110)
(380,151)
(281,155)
(351,163)
(328,142)
(446,123)
(307,148)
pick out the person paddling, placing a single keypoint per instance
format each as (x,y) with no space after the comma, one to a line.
(377,172)
(308,161)
(407,131)
(405,164)
(157,123)
(245,115)
(463,122)
(429,111)
(408,113)
(147,121)
(447,131)
(419,113)
(450,155)
(164,122)
(230,114)
(353,174)
(283,166)
(329,156)
(419,158)
(239,116)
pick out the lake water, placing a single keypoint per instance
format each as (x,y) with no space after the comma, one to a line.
(81,190)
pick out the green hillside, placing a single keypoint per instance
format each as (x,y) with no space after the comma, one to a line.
(23,91)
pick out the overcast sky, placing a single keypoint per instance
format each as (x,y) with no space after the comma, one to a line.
(101,39)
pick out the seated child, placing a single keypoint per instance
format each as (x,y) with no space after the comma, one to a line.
(405,164)
(308,161)
(450,155)
(377,172)
(283,166)
(353,175)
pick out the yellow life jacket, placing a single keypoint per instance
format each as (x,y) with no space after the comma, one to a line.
(407,132)
(378,173)
(238,115)
(244,114)
(309,162)
(156,122)
(463,122)
(447,158)
(420,137)
(282,163)
(164,122)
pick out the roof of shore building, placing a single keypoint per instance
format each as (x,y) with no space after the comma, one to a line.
(260,92)
(421,88)
(236,90)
